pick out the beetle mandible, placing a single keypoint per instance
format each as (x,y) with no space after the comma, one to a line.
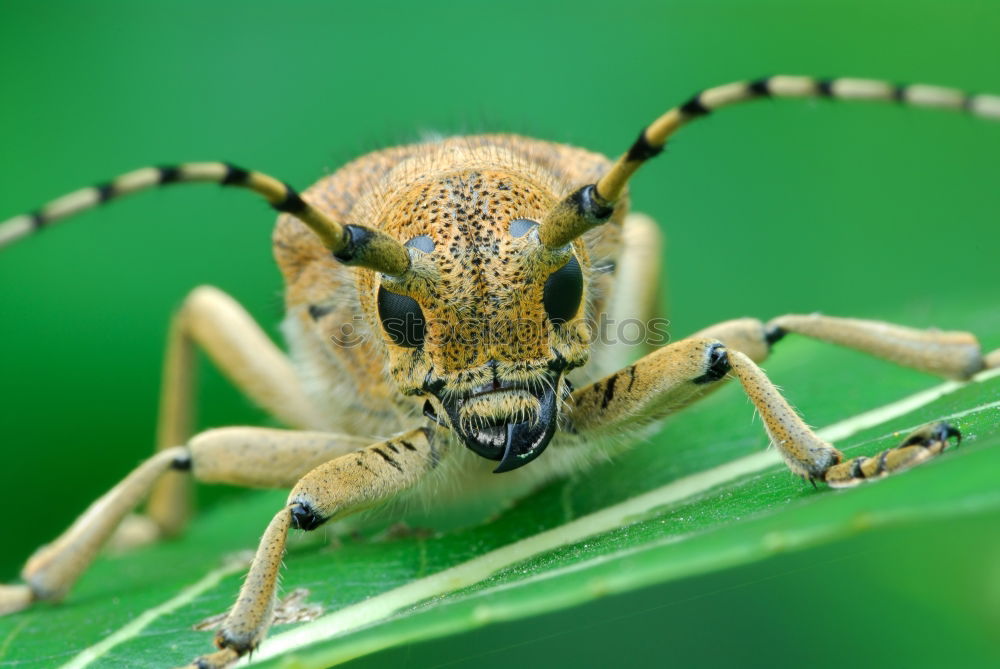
(445,292)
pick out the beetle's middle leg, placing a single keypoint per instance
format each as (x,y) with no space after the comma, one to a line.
(213,321)
(635,295)
(950,354)
(247,456)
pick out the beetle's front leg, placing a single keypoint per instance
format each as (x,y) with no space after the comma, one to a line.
(676,375)
(332,490)
(655,386)
(812,458)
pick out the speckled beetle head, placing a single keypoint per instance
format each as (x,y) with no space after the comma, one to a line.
(488,319)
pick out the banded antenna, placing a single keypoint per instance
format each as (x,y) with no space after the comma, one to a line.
(594,204)
(351,244)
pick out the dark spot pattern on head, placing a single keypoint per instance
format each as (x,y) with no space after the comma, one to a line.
(453,201)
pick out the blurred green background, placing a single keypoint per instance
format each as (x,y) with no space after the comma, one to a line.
(775,207)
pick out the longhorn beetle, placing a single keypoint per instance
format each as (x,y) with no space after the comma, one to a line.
(470,271)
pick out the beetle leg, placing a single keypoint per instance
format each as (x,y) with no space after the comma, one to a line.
(955,355)
(920,446)
(53,568)
(813,458)
(635,295)
(332,490)
(676,375)
(213,321)
(950,354)
(248,456)
(653,387)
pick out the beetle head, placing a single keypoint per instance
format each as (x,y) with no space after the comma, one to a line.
(487,319)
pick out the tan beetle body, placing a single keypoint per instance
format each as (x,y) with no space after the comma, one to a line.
(462,192)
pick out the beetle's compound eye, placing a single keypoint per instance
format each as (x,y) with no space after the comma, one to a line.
(402,318)
(563,292)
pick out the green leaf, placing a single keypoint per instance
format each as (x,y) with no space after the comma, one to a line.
(700,496)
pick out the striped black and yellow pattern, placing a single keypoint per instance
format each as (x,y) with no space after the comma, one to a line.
(594,203)
(925,443)
(351,244)
(653,138)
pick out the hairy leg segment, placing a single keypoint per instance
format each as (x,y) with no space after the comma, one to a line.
(335,489)
(252,457)
(211,321)
(676,375)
